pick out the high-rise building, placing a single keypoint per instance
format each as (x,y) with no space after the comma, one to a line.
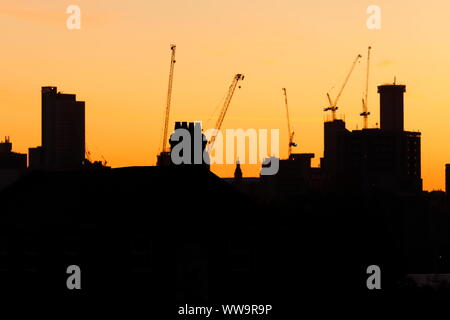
(377,159)
(63,132)
(391,107)
(386,158)
(332,131)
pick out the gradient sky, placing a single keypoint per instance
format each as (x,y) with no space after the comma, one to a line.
(118,63)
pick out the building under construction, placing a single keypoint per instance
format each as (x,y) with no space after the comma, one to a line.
(387,158)
(384,159)
(197,139)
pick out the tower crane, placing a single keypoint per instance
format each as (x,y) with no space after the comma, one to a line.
(163,156)
(365,101)
(104,162)
(238,77)
(290,133)
(333,105)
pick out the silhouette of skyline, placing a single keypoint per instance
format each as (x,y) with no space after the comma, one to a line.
(365,174)
(162,235)
(63,134)
(135,97)
(386,158)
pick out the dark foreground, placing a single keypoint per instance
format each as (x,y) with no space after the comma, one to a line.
(161,238)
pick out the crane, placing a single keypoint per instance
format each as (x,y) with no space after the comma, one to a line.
(163,157)
(329,99)
(333,106)
(104,162)
(238,77)
(88,155)
(169,97)
(290,133)
(365,100)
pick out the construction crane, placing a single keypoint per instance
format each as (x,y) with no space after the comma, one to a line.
(333,105)
(238,77)
(365,101)
(104,162)
(163,157)
(290,133)
(169,97)
(88,155)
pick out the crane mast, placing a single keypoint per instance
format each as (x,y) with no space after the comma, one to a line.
(333,107)
(365,114)
(329,99)
(290,133)
(169,97)
(238,77)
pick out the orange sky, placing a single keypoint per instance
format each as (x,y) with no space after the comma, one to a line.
(118,63)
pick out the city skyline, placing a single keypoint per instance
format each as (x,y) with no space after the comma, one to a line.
(123,78)
(184,155)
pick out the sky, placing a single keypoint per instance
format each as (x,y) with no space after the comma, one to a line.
(118,62)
